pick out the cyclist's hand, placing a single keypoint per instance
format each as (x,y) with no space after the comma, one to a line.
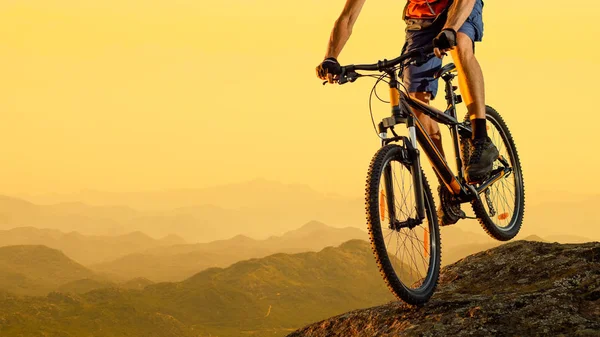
(329,70)
(445,41)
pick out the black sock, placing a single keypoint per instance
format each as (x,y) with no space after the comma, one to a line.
(479,128)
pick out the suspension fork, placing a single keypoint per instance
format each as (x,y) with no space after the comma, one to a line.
(415,167)
(389,194)
(413,153)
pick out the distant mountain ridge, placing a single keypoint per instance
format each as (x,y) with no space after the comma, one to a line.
(174,263)
(85,249)
(478,244)
(254,193)
(258,208)
(135,254)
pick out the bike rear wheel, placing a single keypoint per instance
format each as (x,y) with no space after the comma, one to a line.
(501,208)
(407,253)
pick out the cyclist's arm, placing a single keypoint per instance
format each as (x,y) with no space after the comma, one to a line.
(342,29)
(458,13)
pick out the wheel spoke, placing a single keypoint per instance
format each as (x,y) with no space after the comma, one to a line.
(418,249)
(412,256)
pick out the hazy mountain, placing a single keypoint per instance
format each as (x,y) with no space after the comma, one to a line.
(453,236)
(566,238)
(569,217)
(66,217)
(258,208)
(175,263)
(258,297)
(137,283)
(314,236)
(86,285)
(453,253)
(36,270)
(533,238)
(82,248)
(254,194)
(114,221)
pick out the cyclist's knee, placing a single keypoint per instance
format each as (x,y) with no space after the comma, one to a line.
(435,134)
(464,47)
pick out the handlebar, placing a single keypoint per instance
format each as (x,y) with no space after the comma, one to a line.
(349,74)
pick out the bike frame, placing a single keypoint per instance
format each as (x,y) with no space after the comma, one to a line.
(403,112)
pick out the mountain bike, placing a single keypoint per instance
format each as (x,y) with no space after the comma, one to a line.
(401,214)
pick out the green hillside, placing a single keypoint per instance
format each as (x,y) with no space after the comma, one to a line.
(269,296)
(101,313)
(277,291)
(36,270)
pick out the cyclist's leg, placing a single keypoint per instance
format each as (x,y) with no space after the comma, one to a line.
(483,151)
(470,78)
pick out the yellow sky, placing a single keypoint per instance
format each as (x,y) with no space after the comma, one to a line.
(136,95)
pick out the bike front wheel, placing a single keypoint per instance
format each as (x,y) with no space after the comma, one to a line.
(407,250)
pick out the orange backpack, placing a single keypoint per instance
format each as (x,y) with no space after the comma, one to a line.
(425,9)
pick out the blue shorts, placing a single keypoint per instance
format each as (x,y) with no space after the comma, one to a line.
(420,78)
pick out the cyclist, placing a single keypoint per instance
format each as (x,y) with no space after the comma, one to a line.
(452,26)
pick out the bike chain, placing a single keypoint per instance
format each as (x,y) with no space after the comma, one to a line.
(489,202)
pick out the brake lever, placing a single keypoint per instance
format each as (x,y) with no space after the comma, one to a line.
(353,76)
(349,76)
(345,77)
(342,79)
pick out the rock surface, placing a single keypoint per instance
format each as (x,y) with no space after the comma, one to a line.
(518,289)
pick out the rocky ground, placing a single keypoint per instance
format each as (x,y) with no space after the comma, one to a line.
(518,289)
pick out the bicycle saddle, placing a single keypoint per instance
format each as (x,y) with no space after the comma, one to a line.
(448,68)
